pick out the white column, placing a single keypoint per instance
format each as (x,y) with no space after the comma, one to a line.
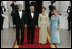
(6,20)
(63,6)
(63,11)
(9,13)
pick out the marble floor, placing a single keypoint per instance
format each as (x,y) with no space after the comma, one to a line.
(8,38)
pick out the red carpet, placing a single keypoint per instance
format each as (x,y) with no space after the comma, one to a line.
(36,41)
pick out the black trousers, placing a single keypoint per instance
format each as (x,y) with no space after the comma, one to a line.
(13,20)
(18,28)
(30,31)
(69,24)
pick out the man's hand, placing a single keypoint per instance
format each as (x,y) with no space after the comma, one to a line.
(14,26)
(36,26)
(25,25)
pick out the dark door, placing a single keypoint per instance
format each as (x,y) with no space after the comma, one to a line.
(38,6)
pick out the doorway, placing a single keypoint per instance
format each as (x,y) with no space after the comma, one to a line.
(38,6)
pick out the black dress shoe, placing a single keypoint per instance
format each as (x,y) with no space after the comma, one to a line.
(17,43)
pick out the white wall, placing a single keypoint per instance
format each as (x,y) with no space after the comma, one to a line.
(64,5)
(63,10)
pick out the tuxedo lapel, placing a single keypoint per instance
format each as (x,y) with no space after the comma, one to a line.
(22,14)
(30,15)
(18,15)
(34,15)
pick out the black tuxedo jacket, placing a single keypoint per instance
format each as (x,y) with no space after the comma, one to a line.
(19,21)
(31,22)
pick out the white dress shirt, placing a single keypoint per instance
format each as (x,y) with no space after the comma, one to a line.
(32,14)
(20,14)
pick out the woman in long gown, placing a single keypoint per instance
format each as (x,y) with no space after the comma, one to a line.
(55,26)
(43,24)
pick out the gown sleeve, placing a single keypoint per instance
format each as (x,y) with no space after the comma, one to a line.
(39,19)
(58,20)
(48,24)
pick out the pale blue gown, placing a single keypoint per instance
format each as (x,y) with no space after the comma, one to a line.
(55,22)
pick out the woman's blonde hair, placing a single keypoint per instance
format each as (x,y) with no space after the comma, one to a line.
(55,10)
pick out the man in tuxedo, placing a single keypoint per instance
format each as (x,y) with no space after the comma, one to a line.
(14,8)
(69,16)
(20,21)
(31,24)
(51,7)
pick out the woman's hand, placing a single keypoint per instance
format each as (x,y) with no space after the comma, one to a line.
(25,25)
(58,27)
